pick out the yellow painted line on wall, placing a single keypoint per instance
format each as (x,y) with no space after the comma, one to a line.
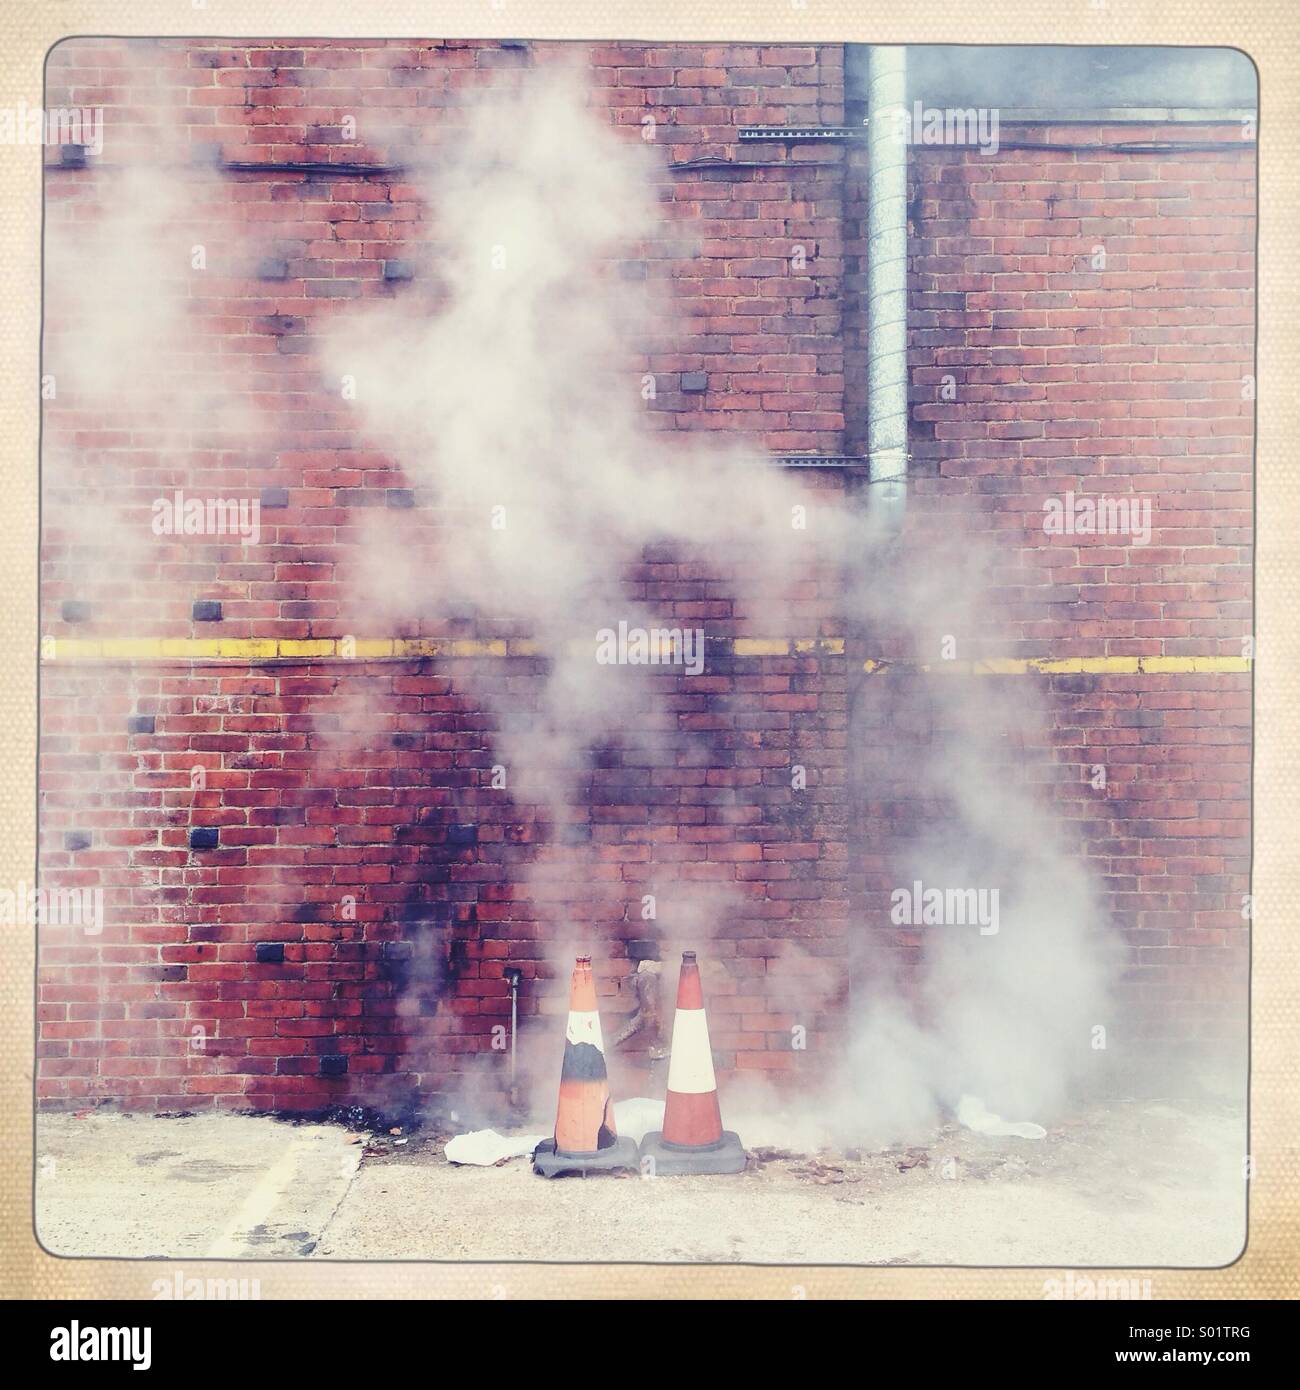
(70,650)
(760,646)
(1196,663)
(374,648)
(1082,665)
(1017,666)
(781,646)
(252,650)
(311,646)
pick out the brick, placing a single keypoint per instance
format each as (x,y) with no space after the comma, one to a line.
(345,881)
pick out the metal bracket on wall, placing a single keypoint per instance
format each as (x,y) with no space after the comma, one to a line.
(801,133)
(817,460)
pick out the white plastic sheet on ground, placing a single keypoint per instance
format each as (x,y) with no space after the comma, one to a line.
(976,1116)
(485,1147)
(635,1118)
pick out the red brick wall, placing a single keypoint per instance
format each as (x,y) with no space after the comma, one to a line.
(1065,376)
(1124,379)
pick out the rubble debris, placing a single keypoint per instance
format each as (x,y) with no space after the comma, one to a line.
(359,1118)
(766,1154)
(979,1119)
(820,1173)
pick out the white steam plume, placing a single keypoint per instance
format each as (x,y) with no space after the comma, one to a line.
(509,393)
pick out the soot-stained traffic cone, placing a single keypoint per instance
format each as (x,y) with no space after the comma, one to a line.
(585,1138)
(692,1139)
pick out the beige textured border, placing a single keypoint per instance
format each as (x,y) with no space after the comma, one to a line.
(1266,29)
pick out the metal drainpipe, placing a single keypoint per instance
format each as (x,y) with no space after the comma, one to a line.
(887,283)
(512,974)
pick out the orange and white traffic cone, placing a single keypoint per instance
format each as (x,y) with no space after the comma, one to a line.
(586,1140)
(692,1139)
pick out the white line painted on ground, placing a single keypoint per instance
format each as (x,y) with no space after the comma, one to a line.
(259,1203)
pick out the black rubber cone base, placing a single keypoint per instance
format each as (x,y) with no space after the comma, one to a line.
(622,1153)
(671,1161)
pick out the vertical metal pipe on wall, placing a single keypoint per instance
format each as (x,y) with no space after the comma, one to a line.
(887,148)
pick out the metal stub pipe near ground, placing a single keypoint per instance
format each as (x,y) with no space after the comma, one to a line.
(692,1139)
(586,1140)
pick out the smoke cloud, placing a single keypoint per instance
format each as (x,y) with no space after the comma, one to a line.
(508,383)
(510,394)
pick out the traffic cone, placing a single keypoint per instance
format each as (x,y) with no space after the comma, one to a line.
(692,1139)
(585,1138)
